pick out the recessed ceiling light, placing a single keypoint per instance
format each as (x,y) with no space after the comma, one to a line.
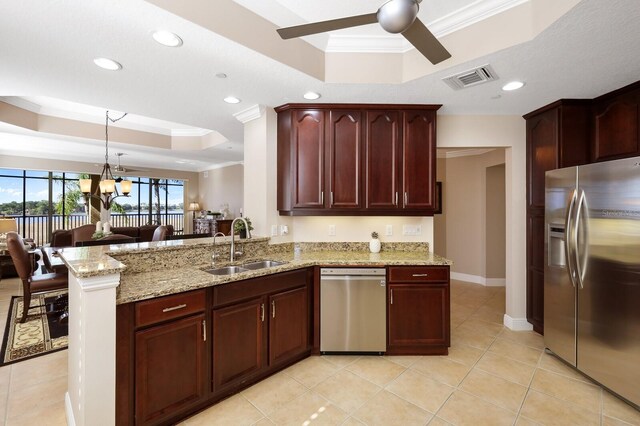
(221,75)
(232,100)
(513,85)
(311,96)
(167,38)
(107,64)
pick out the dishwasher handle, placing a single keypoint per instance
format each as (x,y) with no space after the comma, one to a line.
(373,278)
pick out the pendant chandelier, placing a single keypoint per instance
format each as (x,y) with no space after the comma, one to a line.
(107,190)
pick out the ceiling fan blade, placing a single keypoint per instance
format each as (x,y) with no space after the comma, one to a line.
(426,43)
(324,26)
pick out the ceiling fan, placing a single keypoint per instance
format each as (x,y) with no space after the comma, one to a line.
(395,16)
(121,169)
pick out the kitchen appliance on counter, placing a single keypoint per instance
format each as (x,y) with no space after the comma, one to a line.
(353,310)
(592,272)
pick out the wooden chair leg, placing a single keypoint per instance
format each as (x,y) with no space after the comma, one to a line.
(26,300)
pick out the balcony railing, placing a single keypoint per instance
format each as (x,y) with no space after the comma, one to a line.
(37,226)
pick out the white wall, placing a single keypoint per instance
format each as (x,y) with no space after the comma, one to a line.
(222,185)
(508,132)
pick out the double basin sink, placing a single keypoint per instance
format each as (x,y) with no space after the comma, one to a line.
(249,266)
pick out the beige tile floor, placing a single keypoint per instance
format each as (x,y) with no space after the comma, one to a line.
(492,376)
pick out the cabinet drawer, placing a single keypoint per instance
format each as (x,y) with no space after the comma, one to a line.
(239,291)
(418,273)
(169,307)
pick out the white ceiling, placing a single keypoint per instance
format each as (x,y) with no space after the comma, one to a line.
(47,49)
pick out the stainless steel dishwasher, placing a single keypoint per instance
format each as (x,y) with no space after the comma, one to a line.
(353,310)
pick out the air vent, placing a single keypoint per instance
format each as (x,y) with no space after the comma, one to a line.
(470,78)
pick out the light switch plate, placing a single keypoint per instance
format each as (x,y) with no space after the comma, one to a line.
(284,229)
(411,230)
(332,230)
(274,230)
(388,230)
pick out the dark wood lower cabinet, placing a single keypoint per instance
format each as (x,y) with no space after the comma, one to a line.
(288,325)
(170,369)
(239,345)
(418,310)
(171,364)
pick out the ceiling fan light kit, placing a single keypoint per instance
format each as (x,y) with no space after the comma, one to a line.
(107,187)
(394,16)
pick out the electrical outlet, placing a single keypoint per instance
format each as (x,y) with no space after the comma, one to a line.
(388,230)
(205,174)
(332,230)
(274,230)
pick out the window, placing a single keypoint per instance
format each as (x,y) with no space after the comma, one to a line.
(43,202)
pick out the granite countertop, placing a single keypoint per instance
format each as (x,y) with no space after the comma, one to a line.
(85,262)
(147,285)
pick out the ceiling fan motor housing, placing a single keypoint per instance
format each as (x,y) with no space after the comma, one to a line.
(395,16)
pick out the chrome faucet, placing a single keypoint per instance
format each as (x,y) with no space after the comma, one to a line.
(233,233)
(214,256)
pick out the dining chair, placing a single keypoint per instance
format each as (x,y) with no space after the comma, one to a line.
(32,284)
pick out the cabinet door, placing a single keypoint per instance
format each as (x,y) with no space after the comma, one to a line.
(418,159)
(239,342)
(542,153)
(171,372)
(308,158)
(345,158)
(617,132)
(288,325)
(382,147)
(418,315)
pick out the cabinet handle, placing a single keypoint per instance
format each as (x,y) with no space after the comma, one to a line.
(396,198)
(204,330)
(174,308)
(322,197)
(420,275)
(273,308)
(406,197)
(332,198)
(262,312)
(392,296)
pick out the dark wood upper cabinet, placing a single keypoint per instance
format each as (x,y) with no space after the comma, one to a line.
(241,327)
(171,373)
(288,325)
(345,158)
(419,159)
(383,153)
(379,159)
(308,157)
(616,131)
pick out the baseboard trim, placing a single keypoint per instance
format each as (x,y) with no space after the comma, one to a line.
(496,282)
(477,279)
(71,421)
(517,324)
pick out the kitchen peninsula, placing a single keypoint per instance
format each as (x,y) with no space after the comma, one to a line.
(153,337)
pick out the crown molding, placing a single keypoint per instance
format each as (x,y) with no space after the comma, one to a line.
(469,15)
(220,166)
(250,113)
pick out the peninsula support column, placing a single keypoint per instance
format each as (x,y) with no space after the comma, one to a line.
(91,388)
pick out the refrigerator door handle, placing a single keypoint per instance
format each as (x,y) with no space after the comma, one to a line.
(567,237)
(580,266)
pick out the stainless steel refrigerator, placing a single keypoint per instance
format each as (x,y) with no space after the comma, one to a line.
(592,271)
